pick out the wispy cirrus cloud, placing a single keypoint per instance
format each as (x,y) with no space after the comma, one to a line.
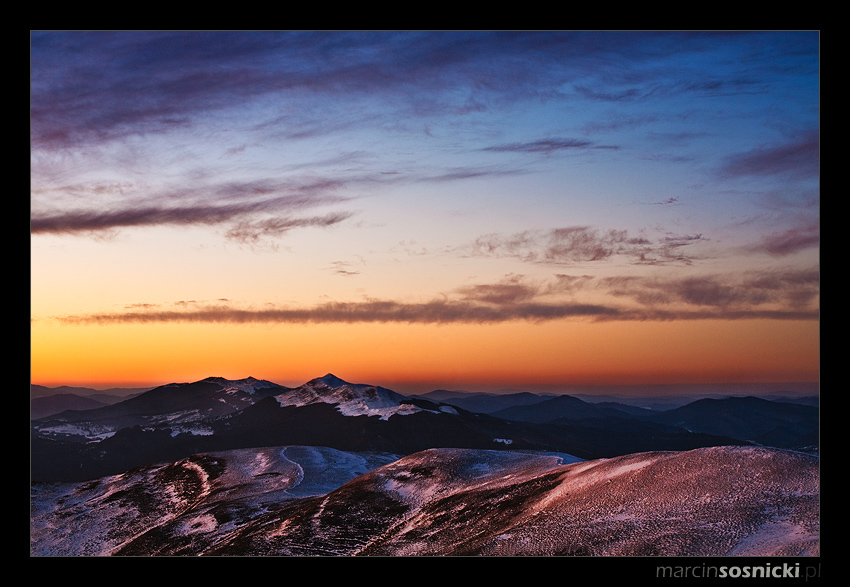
(798,157)
(94,86)
(255,208)
(790,241)
(158,81)
(127,215)
(548,146)
(251,231)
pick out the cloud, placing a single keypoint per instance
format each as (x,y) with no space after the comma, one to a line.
(346,268)
(548,146)
(788,291)
(659,315)
(96,86)
(790,241)
(513,290)
(374,311)
(463,173)
(76,222)
(249,231)
(226,202)
(509,292)
(91,87)
(667,202)
(434,313)
(626,95)
(775,295)
(583,244)
(799,158)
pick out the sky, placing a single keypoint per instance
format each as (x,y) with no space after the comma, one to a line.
(458,209)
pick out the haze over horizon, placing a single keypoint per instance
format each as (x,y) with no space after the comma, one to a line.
(481,209)
(637,390)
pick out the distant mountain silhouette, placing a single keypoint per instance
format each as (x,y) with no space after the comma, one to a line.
(566,407)
(41,407)
(772,423)
(484,403)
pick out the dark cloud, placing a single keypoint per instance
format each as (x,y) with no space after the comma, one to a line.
(567,284)
(726,87)
(580,243)
(513,289)
(434,312)
(88,87)
(379,311)
(226,202)
(510,291)
(790,241)
(799,158)
(548,146)
(76,222)
(583,244)
(626,95)
(343,268)
(93,86)
(667,202)
(93,221)
(467,173)
(659,315)
(251,231)
(789,291)
(775,295)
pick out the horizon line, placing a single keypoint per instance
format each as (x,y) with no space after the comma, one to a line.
(797,386)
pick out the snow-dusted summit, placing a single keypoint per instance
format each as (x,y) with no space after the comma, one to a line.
(249,385)
(351,399)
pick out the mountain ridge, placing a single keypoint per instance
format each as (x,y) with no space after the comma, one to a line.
(179,419)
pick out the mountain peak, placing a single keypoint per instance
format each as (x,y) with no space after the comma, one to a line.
(351,399)
(215,379)
(331,380)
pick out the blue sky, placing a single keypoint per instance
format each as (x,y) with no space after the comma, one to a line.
(289,179)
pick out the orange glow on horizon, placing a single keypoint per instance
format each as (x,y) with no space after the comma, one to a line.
(451,356)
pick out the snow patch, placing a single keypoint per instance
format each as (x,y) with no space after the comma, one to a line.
(773,537)
(85,429)
(195,430)
(628,468)
(351,399)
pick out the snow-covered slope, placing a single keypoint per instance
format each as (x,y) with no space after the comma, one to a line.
(351,399)
(282,501)
(706,502)
(249,385)
(188,506)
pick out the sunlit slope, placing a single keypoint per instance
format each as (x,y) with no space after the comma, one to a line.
(319,502)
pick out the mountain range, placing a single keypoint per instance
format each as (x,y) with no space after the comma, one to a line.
(176,420)
(250,467)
